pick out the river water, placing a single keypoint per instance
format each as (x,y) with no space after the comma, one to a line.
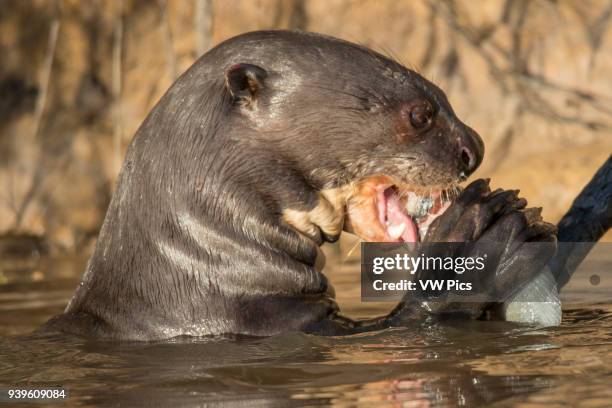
(448,364)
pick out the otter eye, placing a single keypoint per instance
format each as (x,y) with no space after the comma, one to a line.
(421,115)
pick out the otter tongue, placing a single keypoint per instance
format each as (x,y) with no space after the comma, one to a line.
(400,225)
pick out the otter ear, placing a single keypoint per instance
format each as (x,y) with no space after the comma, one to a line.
(244,81)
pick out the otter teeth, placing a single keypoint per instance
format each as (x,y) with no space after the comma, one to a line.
(413,203)
(396,231)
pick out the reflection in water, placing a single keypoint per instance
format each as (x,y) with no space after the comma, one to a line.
(445,364)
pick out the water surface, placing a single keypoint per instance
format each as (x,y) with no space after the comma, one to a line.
(454,363)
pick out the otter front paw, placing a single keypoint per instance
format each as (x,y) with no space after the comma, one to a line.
(324,222)
(516,241)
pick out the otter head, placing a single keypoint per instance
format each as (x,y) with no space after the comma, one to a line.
(379,142)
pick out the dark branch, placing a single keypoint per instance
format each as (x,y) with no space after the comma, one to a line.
(588,219)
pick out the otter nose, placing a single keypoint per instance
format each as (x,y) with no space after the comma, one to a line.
(471,152)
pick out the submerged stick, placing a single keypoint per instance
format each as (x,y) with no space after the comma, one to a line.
(585,223)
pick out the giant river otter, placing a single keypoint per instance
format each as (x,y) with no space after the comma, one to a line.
(271,144)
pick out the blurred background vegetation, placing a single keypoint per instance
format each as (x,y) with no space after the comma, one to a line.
(534,78)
